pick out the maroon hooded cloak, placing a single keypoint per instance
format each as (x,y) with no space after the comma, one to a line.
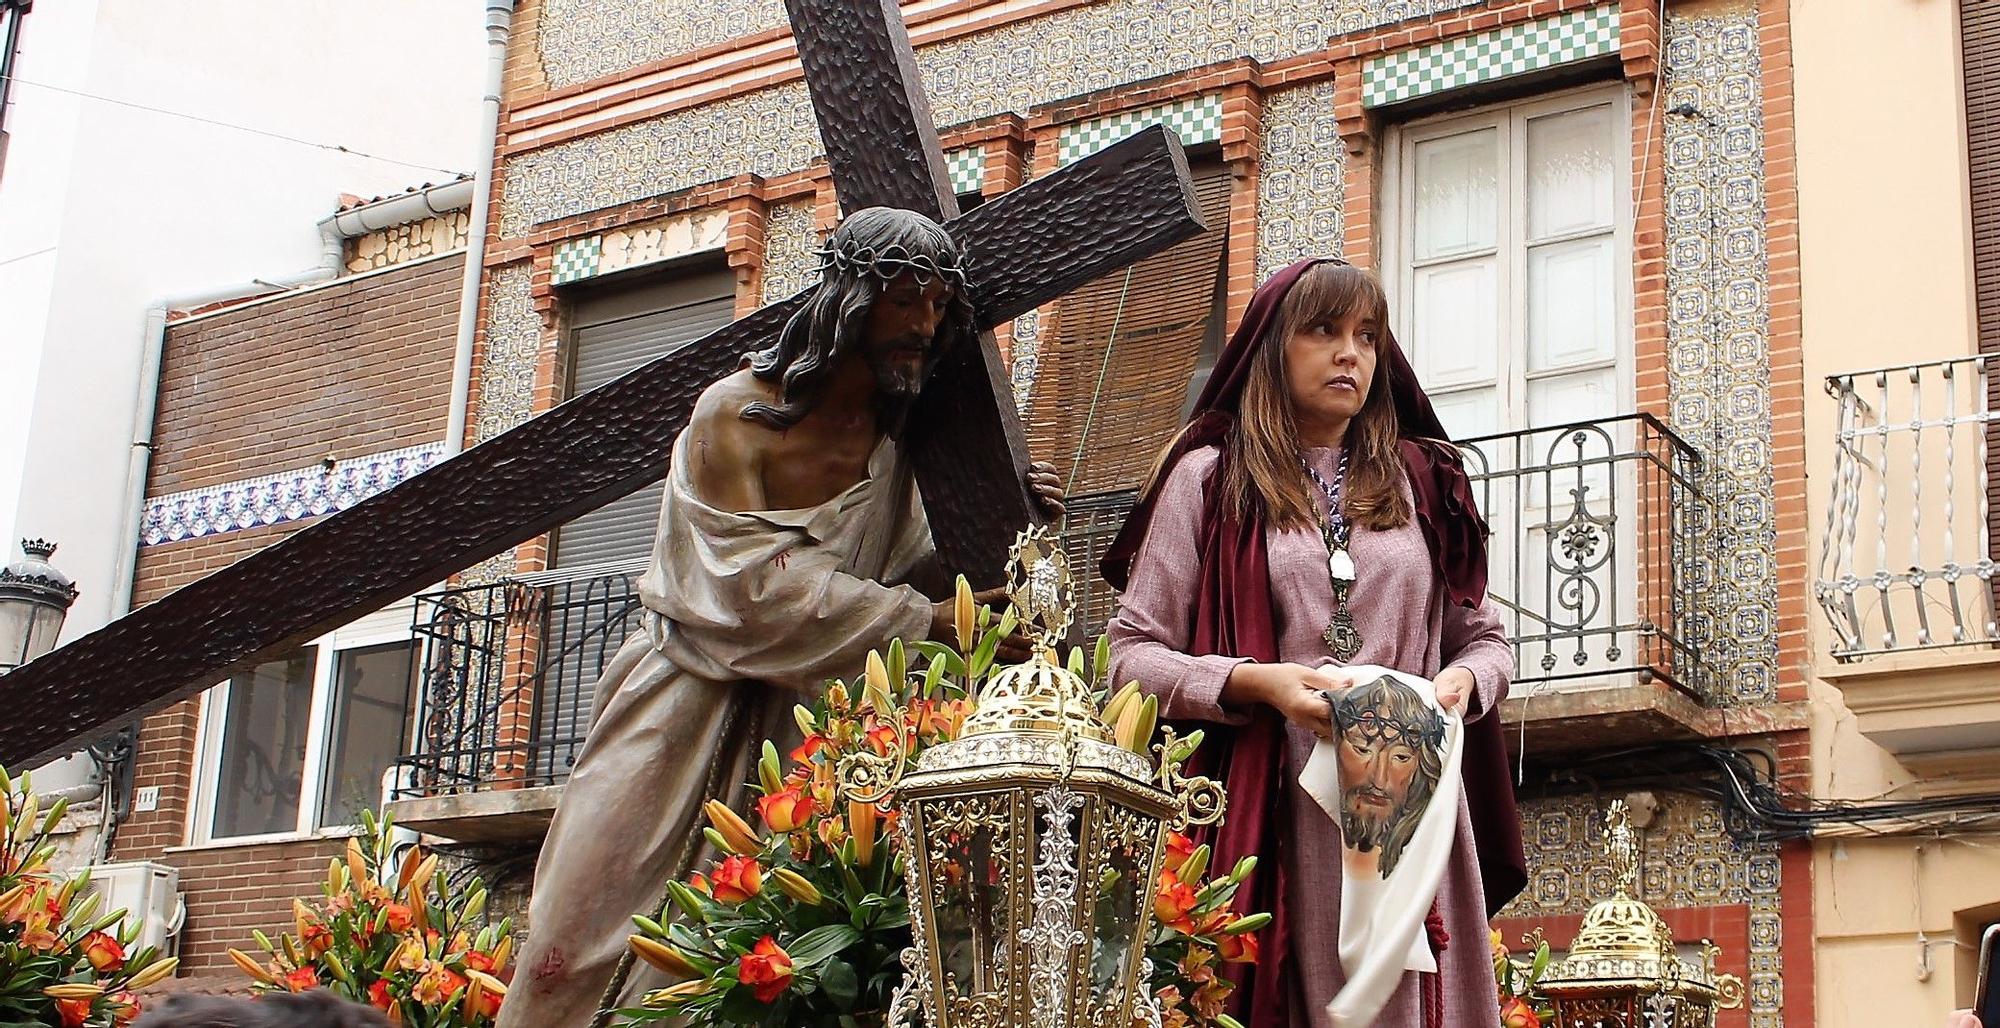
(1234,617)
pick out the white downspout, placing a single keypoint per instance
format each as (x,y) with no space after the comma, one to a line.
(499,22)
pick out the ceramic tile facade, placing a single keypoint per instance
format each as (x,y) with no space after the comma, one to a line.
(513,343)
(1197,121)
(291,495)
(576,259)
(1355,15)
(1300,183)
(1687,859)
(1487,56)
(966,168)
(1027,354)
(1718,327)
(1011,68)
(586,39)
(789,242)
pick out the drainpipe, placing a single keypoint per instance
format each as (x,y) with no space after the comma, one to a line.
(499,21)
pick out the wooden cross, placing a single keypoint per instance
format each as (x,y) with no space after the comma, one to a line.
(1021,250)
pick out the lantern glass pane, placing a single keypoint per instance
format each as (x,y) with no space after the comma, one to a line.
(1118,916)
(971,908)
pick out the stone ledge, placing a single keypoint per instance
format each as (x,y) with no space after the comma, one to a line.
(494,816)
(1924,703)
(1637,714)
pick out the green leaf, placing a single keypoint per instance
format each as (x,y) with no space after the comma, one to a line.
(816,947)
(838,980)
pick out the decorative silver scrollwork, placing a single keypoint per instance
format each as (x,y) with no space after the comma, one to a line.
(1146,1008)
(906,1003)
(1052,936)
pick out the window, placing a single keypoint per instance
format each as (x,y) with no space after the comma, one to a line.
(1509,266)
(301,742)
(1512,262)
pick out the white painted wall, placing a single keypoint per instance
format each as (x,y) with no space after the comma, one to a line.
(138,205)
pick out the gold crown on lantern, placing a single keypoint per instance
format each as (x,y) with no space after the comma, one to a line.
(1040,695)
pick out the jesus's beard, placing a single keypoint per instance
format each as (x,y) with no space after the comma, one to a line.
(1363,828)
(898,380)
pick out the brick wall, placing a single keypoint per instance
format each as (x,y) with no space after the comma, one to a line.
(349,369)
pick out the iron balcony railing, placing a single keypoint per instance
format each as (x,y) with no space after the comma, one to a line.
(507,674)
(1906,559)
(1590,563)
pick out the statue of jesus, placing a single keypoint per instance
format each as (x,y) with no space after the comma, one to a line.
(791,542)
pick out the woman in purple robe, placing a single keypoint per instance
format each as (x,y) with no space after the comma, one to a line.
(1312,516)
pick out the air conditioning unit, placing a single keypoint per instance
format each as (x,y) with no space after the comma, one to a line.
(150,895)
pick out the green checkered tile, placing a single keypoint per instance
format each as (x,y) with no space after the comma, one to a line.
(966,168)
(577,259)
(1198,121)
(1513,50)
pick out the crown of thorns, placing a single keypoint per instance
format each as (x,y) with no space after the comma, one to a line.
(1379,726)
(889,262)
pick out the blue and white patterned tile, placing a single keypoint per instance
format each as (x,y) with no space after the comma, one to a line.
(291,495)
(1301,179)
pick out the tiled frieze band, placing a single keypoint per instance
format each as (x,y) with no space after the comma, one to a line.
(585,39)
(576,259)
(966,169)
(291,495)
(1196,121)
(1356,15)
(1487,56)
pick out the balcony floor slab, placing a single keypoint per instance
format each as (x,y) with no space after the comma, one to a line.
(1639,714)
(493,816)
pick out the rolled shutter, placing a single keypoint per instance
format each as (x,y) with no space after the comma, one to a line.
(1979,48)
(613,335)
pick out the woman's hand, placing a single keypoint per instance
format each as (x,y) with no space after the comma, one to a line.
(1293,690)
(1455,687)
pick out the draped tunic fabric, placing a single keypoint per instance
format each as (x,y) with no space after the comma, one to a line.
(751,605)
(1398,605)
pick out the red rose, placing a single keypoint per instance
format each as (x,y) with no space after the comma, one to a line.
(767,969)
(1516,1013)
(738,879)
(74,1012)
(1174,901)
(304,979)
(785,810)
(400,917)
(104,952)
(378,994)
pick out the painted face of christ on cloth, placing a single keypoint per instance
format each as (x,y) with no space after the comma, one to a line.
(1389,743)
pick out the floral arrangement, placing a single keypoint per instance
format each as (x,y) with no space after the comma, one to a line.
(395,935)
(1520,1005)
(62,963)
(804,922)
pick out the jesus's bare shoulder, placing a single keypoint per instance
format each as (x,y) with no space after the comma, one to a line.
(726,452)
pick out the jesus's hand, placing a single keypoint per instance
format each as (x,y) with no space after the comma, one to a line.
(1047,487)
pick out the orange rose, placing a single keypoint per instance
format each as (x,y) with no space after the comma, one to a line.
(699,883)
(74,1012)
(104,952)
(378,995)
(738,879)
(1237,949)
(478,961)
(786,810)
(124,1008)
(400,917)
(1179,849)
(1516,1013)
(305,979)
(767,969)
(1174,901)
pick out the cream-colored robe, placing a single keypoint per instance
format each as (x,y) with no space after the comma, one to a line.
(749,606)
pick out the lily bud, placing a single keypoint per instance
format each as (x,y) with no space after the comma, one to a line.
(768,773)
(877,683)
(1196,863)
(795,885)
(737,835)
(861,822)
(1245,925)
(962,615)
(74,990)
(662,956)
(248,965)
(154,973)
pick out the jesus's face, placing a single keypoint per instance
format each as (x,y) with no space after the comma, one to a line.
(1378,762)
(901,333)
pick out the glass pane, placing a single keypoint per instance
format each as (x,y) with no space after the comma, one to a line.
(1572,303)
(1457,193)
(1469,413)
(971,904)
(1571,184)
(371,706)
(264,747)
(1127,839)
(1454,339)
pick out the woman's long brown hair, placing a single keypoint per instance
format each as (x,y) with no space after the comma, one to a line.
(1263,468)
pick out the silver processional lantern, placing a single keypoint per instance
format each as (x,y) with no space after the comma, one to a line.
(34,600)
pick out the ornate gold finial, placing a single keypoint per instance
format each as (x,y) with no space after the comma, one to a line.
(1622,846)
(1040,586)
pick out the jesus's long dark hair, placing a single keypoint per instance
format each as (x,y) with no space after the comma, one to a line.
(870,249)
